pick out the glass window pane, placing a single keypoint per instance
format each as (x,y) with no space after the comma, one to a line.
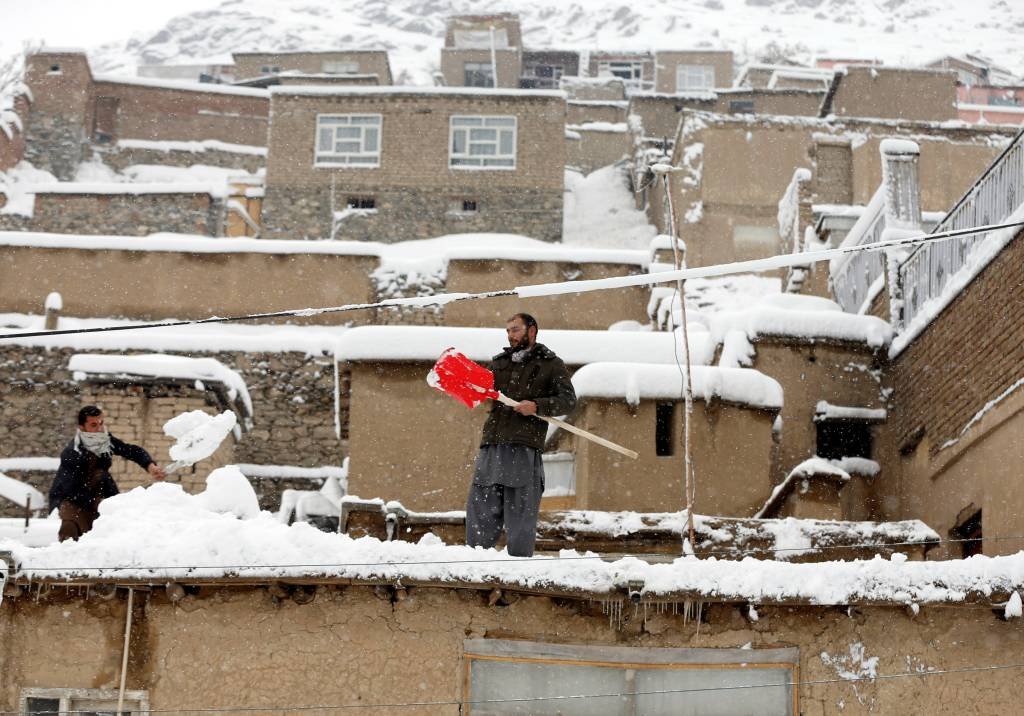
(465,162)
(483,150)
(370,139)
(49,707)
(362,160)
(487,135)
(345,147)
(366,120)
(348,132)
(769,701)
(491,680)
(459,142)
(500,122)
(333,120)
(499,162)
(507,145)
(467,121)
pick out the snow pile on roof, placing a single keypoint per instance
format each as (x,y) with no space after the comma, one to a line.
(18,183)
(156,365)
(804,317)
(19,492)
(386,90)
(206,145)
(161,532)
(425,343)
(183,85)
(96,172)
(611,127)
(825,410)
(133,188)
(600,211)
(812,467)
(635,382)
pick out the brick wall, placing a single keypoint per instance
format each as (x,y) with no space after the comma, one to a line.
(12,138)
(293,420)
(56,130)
(414,188)
(128,214)
(971,352)
(251,64)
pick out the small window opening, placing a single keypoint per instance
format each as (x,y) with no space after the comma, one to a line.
(664,443)
(469,206)
(361,202)
(970,531)
(741,106)
(54,69)
(42,706)
(843,438)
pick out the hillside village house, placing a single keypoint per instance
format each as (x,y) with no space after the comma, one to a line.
(482,51)
(324,65)
(392,164)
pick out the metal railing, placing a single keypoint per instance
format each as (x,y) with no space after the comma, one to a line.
(994,197)
(852,277)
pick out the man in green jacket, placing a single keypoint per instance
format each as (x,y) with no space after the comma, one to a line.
(508,479)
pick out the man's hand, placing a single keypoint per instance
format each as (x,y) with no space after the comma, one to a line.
(156,471)
(526,407)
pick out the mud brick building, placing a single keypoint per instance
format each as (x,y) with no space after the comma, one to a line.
(391,164)
(325,65)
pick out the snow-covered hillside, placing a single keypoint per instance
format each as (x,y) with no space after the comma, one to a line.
(896,31)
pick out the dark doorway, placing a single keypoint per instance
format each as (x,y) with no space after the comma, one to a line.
(843,438)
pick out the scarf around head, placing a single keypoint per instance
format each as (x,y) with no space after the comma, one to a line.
(96,443)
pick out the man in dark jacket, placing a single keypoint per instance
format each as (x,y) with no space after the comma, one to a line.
(508,478)
(83,478)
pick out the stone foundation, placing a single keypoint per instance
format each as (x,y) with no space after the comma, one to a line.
(410,213)
(120,158)
(55,143)
(128,214)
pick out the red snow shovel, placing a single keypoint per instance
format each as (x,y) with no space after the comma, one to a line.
(471,384)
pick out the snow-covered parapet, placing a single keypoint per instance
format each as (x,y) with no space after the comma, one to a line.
(204,370)
(131,188)
(196,147)
(21,494)
(812,468)
(425,343)
(631,382)
(827,411)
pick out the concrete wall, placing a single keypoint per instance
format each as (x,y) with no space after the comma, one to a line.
(413,187)
(596,148)
(275,654)
(660,114)
(895,93)
(249,64)
(732,453)
(791,102)
(580,111)
(128,214)
(509,61)
(666,62)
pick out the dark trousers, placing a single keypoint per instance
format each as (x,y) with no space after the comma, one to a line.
(75,521)
(492,507)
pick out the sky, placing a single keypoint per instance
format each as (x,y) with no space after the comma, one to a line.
(84,23)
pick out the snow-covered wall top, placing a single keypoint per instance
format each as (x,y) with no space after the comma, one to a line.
(183,85)
(425,343)
(345,90)
(632,382)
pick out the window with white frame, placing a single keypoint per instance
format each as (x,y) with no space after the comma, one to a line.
(694,77)
(478,142)
(478,74)
(630,71)
(348,140)
(87,702)
(340,67)
(507,677)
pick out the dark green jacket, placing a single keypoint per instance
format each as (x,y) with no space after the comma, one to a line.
(540,377)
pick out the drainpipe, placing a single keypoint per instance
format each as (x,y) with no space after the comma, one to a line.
(124,653)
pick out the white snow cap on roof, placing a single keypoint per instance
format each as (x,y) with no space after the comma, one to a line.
(342,90)
(425,343)
(163,366)
(634,382)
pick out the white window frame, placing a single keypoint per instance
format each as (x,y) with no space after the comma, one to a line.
(635,68)
(467,159)
(364,158)
(483,68)
(339,67)
(71,700)
(694,77)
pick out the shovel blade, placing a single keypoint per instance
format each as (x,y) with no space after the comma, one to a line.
(462,379)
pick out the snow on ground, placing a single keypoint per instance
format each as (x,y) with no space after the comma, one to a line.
(600,211)
(96,172)
(17,183)
(161,532)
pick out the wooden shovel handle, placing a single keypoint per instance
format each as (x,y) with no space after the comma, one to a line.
(505,400)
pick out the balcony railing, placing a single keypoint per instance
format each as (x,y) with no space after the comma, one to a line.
(993,198)
(853,275)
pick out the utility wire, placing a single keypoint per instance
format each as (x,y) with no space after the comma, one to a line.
(571,697)
(754,266)
(534,560)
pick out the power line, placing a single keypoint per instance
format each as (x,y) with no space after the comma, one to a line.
(511,560)
(753,266)
(572,697)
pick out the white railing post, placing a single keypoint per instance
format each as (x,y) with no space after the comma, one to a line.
(902,210)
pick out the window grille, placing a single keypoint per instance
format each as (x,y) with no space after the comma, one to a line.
(348,140)
(478,142)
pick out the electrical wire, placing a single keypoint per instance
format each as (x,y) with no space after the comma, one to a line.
(510,560)
(757,265)
(572,697)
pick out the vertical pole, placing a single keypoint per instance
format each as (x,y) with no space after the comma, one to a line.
(494,59)
(124,654)
(28,509)
(680,291)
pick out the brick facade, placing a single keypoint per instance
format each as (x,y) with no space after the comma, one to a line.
(258,64)
(293,421)
(12,138)
(120,157)
(416,193)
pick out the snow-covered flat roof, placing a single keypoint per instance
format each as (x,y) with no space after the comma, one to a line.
(183,85)
(197,146)
(136,188)
(632,382)
(425,343)
(166,534)
(361,90)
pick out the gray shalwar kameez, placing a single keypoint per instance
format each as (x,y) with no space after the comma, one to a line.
(508,481)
